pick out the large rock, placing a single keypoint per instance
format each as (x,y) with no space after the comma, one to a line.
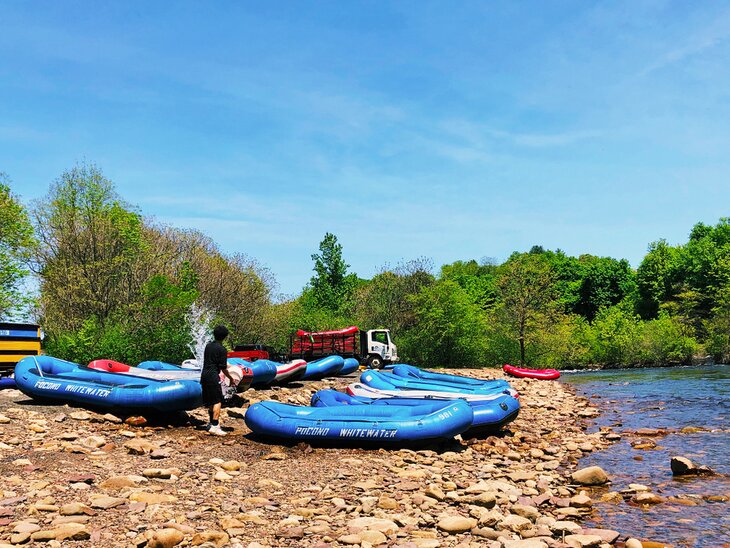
(593,475)
(456,524)
(682,466)
(217,538)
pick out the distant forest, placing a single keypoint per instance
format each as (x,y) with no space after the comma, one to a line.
(114,284)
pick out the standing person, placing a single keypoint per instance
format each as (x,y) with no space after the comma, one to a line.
(215,359)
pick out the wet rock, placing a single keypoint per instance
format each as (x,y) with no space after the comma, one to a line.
(456,524)
(648,498)
(581,500)
(682,466)
(633,543)
(593,475)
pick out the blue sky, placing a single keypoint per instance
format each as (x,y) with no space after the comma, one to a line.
(451,130)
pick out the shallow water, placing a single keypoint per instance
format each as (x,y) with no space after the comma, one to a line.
(668,398)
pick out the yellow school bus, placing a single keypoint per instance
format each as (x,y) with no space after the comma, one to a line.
(17,340)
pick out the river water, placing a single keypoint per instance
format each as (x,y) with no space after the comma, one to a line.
(697,512)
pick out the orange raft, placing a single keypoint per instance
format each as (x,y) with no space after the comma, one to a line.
(544,374)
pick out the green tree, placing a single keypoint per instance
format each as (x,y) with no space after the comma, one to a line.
(604,282)
(449,329)
(705,269)
(528,298)
(478,280)
(16,242)
(331,285)
(657,278)
(386,300)
(90,256)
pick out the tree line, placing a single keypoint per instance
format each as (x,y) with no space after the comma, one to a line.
(111,283)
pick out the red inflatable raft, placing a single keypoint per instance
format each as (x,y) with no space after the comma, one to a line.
(544,374)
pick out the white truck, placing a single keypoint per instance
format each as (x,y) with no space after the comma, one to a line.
(373,348)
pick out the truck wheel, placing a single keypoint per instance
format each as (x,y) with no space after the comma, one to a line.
(375,362)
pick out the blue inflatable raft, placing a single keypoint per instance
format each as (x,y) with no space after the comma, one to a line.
(264,371)
(7,382)
(351,365)
(361,424)
(489,415)
(44,377)
(391,381)
(326,367)
(409,372)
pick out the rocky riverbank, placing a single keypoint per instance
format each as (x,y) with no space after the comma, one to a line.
(69,476)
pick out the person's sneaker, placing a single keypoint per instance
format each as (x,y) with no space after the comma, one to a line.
(216,430)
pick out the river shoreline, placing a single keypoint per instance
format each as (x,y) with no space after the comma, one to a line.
(66,473)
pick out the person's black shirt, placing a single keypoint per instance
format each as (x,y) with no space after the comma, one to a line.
(214,361)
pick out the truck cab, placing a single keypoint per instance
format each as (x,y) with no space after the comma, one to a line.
(377,348)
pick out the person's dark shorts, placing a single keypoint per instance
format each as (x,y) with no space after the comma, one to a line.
(212,393)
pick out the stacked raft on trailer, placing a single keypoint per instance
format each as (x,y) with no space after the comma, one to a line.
(49,378)
(367,424)
(489,415)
